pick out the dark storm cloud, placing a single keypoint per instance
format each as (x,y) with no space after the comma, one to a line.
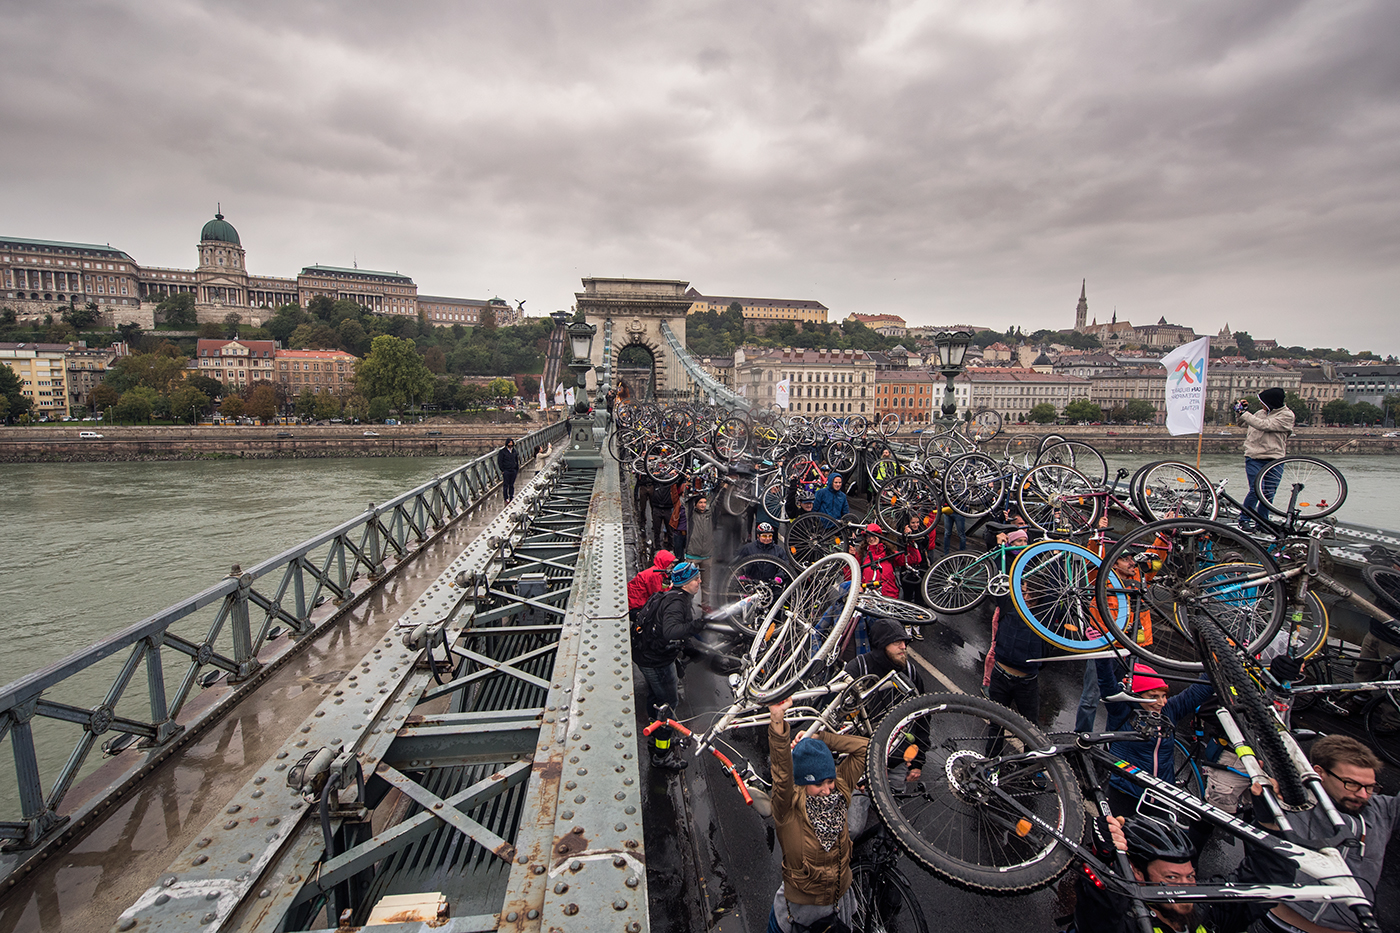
(1207,162)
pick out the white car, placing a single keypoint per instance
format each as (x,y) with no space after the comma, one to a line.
(371,434)
(89,435)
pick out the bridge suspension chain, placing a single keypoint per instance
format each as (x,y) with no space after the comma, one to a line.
(697,374)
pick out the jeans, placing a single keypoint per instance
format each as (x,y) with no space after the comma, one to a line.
(663,686)
(1252,468)
(1089,699)
(508,485)
(1019,693)
(949,520)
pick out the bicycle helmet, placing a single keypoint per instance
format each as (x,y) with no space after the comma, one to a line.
(806,495)
(1150,840)
(684,572)
(764,528)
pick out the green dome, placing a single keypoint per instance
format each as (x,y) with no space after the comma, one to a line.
(220,229)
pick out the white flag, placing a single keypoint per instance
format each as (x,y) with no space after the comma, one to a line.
(569,397)
(1186,386)
(543,402)
(559,394)
(784,388)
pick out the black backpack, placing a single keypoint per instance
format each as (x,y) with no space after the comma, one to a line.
(647,629)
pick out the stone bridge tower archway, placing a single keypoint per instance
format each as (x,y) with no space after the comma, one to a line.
(635,309)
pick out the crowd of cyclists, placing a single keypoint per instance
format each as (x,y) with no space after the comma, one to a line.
(712,494)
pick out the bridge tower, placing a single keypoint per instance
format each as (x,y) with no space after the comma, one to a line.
(630,313)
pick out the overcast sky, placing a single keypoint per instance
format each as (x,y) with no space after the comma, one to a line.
(1209,162)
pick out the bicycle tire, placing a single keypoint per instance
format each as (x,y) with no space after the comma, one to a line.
(731,439)
(884,901)
(759,576)
(1227,594)
(1169,489)
(973,485)
(1383,726)
(1052,585)
(1188,772)
(1385,583)
(812,536)
(1322,488)
(1057,498)
(841,456)
(888,425)
(988,422)
(1173,552)
(957,827)
(957,583)
(1239,691)
(897,610)
(801,630)
(1047,441)
(775,500)
(905,499)
(1083,457)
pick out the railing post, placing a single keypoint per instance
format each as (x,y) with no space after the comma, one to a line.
(376,546)
(38,818)
(155,684)
(239,628)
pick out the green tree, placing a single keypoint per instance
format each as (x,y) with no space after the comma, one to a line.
(178,310)
(435,360)
(1366,413)
(211,331)
(1246,345)
(130,331)
(104,397)
(60,332)
(487,320)
(306,403)
(379,408)
(1391,404)
(327,406)
(285,321)
(84,317)
(353,338)
(1140,409)
(212,388)
(1044,413)
(394,370)
(530,387)
(314,336)
(1302,414)
(12,391)
(231,322)
(231,406)
(1337,411)
(501,388)
(1082,410)
(136,405)
(159,370)
(187,403)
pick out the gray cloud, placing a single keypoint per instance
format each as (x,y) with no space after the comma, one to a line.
(1205,162)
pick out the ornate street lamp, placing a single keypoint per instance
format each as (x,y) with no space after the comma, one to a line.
(583,444)
(952,348)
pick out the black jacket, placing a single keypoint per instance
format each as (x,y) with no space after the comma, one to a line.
(878,663)
(508,460)
(678,624)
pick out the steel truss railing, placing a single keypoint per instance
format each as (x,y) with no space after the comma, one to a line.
(244,614)
(519,796)
(697,373)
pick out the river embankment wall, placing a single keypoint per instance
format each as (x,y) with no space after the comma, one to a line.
(46,444)
(1156,440)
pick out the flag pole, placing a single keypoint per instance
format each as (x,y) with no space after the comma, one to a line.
(1199,438)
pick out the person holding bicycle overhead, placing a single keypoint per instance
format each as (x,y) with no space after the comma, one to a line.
(1162,853)
(1264,442)
(1348,770)
(811,797)
(1155,756)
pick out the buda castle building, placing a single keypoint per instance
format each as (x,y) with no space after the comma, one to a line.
(41,277)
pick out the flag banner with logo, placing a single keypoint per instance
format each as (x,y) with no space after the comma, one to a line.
(1186,387)
(559,394)
(544,403)
(783,389)
(569,397)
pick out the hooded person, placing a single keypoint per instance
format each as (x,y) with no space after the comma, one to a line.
(831,501)
(1155,756)
(509,462)
(673,623)
(1265,440)
(889,651)
(877,564)
(648,583)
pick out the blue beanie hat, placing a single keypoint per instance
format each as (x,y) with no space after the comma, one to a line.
(683,573)
(812,762)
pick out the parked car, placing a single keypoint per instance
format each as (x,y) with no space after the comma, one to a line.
(89,435)
(371,434)
(282,434)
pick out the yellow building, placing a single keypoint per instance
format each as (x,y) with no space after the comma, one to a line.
(331,371)
(764,310)
(43,376)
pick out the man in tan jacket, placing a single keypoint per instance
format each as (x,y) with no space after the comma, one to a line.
(1264,442)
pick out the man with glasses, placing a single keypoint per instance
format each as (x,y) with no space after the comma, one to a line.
(1348,770)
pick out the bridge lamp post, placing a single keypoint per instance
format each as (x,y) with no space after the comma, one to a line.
(952,348)
(583,444)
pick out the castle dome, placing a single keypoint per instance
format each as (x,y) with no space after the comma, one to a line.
(221,230)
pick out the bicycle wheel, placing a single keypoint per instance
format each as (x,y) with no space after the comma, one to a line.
(1169,555)
(759,576)
(731,439)
(1168,489)
(966,819)
(1188,772)
(1243,696)
(841,455)
(775,501)
(1385,583)
(1022,445)
(1058,499)
(1383,723)
(946,443)
(905,499)
(1314,487)
(973,485)
(1052,585)
(801,630)
(884,901)
(897,610)
(986,424)
(887,425)
(663,461)
(812,536)
(1049,440)
(1083,457)
(957,583)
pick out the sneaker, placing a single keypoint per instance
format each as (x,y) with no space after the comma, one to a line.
(668,761)
(916,633)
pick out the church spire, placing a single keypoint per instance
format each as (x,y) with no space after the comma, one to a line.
(1081,311)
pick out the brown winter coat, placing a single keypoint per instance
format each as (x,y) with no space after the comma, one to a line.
(812,875)
(1267,437)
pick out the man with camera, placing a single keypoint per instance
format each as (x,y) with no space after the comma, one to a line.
(1265,441)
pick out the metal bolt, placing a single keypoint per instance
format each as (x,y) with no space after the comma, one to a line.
(619,904)
(200,859)
(633,880)
(620,827)
(209,917)
(162,899)
(231,824)
(619,861)
(570,910)
(212,896)
(576,865)
(532,914)
(512,917)
(561,888)
(128,924)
